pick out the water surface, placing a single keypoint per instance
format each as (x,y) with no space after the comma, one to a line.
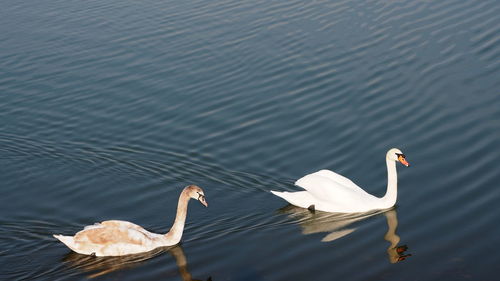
(108,109)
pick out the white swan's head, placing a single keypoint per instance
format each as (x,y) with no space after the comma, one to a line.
(195,192)
(395,154)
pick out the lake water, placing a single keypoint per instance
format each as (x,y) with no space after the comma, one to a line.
(109,108)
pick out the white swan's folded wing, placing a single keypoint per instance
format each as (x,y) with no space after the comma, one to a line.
(325,178)
(335,189)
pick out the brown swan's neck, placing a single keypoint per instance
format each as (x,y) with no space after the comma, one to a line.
(175,234)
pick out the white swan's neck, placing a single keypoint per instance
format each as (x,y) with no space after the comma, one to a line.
(175,234)
(391,194)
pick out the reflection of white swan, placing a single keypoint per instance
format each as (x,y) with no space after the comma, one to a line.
(336,224)
(330,192)
(118,238)
(396,253)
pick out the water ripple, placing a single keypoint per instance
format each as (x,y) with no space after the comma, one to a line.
(133,100)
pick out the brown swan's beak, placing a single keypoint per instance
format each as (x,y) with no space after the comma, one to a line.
(202,200)
(402,159)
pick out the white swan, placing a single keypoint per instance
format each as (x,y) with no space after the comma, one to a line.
(118,238)
(330,192)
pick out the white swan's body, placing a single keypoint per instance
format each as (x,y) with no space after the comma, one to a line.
(118,238)
(330,192)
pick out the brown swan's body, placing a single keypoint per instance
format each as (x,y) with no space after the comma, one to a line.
(118,238)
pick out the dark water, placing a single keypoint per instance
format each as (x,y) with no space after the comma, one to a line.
(109,108)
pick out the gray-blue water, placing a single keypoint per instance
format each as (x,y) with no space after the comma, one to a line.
(109,108)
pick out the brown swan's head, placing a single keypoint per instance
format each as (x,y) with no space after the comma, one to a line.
(195,192)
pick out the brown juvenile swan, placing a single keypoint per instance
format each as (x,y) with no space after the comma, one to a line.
(118,238)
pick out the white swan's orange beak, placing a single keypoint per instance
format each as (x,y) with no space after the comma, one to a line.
(403,161)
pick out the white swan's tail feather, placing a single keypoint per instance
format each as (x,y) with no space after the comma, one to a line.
(277,193)
(301,198)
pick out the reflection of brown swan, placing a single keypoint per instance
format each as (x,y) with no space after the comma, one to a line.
(97,266)
(181,261)
(336,224)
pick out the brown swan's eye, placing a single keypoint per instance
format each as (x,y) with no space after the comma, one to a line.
(200,195)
